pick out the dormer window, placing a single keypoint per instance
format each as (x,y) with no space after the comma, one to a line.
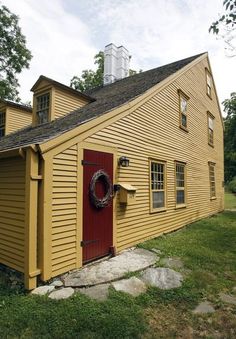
(208,83)
(42,108)
(2,123)
(183,108)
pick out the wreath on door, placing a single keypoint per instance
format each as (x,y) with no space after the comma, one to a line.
(100,175)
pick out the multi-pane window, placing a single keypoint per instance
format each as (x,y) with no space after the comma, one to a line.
(180,183)
(2,123)
(42,108)
(183,108)
(157,185)
(208,83)
(210,129)
(212,180)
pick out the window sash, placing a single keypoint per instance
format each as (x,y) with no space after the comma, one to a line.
(183,109)
(210,130)
(208,82)
(42,108)
(157,185)
(180,184)
(2,123)
(212,181)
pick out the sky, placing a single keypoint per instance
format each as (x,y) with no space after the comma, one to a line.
(65,35)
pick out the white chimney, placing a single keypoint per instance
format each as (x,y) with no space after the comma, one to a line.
(116,63)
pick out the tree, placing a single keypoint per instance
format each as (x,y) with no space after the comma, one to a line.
(91,79)
(230,137)
(225,26)
(14,55)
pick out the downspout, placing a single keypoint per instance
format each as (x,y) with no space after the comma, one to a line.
(31,270)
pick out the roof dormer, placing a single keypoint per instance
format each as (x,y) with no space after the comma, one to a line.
(53,100)
(13,116)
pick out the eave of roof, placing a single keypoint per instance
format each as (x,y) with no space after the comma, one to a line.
(17,105)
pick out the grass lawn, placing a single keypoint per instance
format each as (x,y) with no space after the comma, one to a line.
(230,201)
(208,251)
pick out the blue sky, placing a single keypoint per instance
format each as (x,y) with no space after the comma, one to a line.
(64,36)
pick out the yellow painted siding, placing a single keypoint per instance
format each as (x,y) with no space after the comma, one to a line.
(17,119)
(12,212)
(65,102)
(64,211)
(152,131)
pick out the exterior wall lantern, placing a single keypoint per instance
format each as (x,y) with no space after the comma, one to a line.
(123,161)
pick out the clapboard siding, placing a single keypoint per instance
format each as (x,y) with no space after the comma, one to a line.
(17,119)
(152,131)
(65,103)
(64,211)
(12,212)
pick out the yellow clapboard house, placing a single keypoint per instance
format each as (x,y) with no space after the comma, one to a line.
(101,171)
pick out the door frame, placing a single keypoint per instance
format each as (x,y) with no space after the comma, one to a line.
(80,186)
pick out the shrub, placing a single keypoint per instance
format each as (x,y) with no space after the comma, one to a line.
(232,185)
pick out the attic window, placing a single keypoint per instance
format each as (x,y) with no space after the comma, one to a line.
(42,108)
(2,123)
(183,108)
(208,83)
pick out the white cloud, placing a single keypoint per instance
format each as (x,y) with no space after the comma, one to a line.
(64,35)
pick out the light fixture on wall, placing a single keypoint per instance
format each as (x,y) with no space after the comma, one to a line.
(123,161)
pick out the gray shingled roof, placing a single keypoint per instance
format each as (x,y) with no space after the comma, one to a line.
(107,98)
(17,105)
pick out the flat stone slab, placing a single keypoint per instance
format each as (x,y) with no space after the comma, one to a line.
(227,298)
(204,308)
(62,293)
(163,278)
(111,269)
(57,283)
(43,290)
(133,286)
(172,262)
(98,292)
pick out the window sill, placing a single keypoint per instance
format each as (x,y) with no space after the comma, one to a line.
(210,144)
(180,206)
(158,210)
(213,198)
(183,128)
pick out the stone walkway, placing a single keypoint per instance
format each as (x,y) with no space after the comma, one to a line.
(95,280)
(112,269)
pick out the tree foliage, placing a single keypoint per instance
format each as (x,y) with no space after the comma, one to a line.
(91,79)
(14,55)
(225,26)
(230,137)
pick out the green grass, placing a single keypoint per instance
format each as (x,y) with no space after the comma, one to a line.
(230,201)
(208,251)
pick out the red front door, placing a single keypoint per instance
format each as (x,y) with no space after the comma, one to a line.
(97,222)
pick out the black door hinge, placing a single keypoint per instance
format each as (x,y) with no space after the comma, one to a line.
(87,242)
(84,162)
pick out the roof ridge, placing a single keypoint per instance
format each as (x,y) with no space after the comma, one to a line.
(143,72)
